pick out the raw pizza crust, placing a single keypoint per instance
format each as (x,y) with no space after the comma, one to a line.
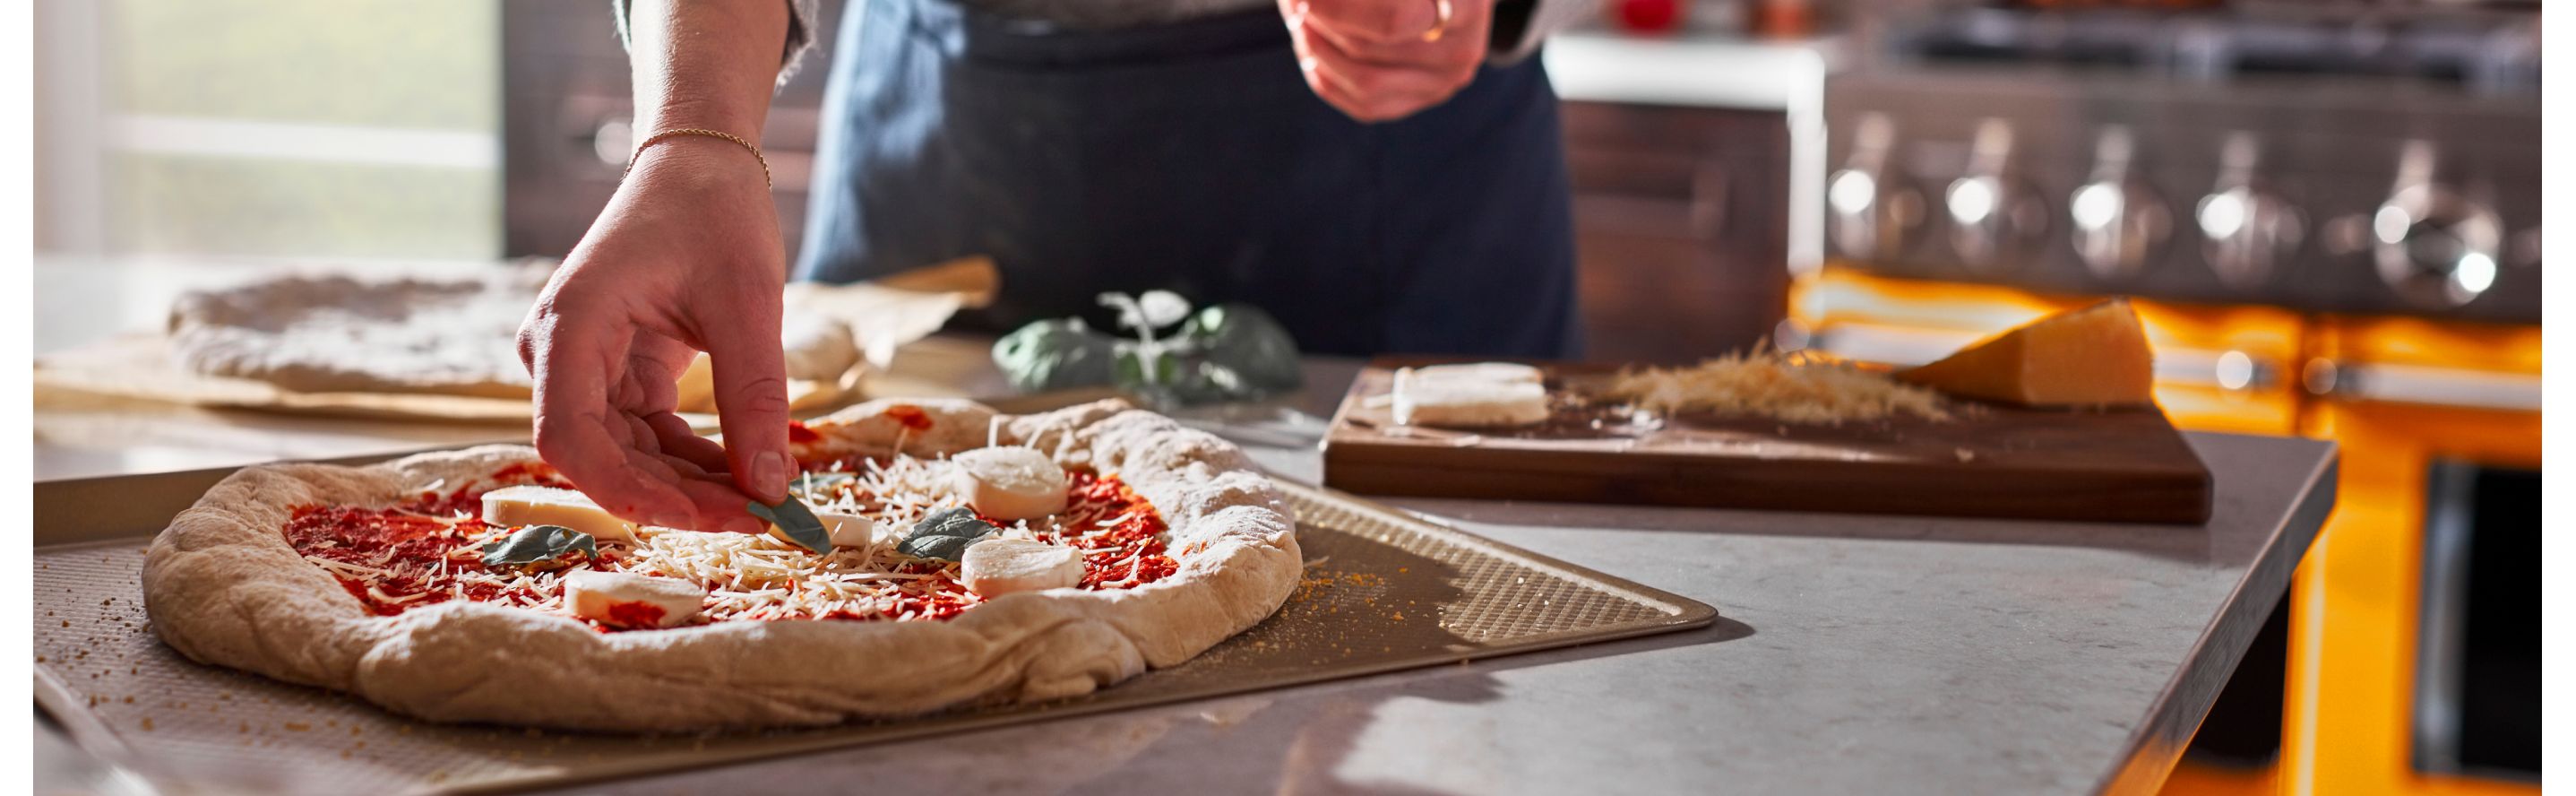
(222,586)
(454,335)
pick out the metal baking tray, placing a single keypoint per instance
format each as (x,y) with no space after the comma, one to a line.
(1383,590)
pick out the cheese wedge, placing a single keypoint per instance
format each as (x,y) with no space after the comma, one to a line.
(995,567)
(518,506)
(1478,395)
(621,599)
(1011,482)
(2096,356)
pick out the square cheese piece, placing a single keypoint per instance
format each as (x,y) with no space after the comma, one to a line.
(521,506)
(1480,395)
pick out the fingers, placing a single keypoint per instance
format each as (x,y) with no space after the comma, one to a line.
(572,359)
(751,394)
(1376,21)
(1354,64)
(714,502)
(1371,91)
(683,443)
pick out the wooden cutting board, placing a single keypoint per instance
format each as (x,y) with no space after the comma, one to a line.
(1991,460)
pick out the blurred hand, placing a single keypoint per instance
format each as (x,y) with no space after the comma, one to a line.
(685,258)
(1379,60)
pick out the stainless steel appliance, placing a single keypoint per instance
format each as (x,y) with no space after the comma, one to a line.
(2330,216)
(2303,157)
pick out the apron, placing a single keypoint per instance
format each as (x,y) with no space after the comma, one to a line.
(1191,157)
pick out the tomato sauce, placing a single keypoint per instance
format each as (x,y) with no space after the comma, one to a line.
(412,537)
(910,416)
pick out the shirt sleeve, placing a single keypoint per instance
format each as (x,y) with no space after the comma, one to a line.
(1544,17)
(800,33)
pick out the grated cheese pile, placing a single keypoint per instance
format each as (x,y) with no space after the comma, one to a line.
(1788,387)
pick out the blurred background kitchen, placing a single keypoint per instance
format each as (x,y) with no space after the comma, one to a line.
(2328,212)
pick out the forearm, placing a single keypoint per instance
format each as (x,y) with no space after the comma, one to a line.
(704,64)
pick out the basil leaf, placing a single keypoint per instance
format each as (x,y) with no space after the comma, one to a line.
(798,522)
(536,543)
(1056,355)
(945,535)
(944,548)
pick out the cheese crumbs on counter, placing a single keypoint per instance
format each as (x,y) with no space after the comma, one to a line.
(1789,387)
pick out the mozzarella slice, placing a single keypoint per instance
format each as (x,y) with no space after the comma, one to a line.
(847,530)
(1011,482)
(1479,395)
(518,506)
(620,599)
(1489,372)
(995,567)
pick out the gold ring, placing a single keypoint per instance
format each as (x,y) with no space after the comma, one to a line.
(1439,25)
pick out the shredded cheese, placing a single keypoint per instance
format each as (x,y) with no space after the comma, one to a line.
(758,576)
(1788,387)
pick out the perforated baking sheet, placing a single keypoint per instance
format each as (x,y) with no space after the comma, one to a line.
(1383,591)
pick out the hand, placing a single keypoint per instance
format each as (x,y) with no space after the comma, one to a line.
(685,258)
(1371,59)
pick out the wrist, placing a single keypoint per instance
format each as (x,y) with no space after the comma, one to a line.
(699,160)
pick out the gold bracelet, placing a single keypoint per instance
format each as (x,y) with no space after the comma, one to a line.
(666,135)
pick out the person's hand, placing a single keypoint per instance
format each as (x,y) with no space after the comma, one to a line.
(1382,60)
(685,258)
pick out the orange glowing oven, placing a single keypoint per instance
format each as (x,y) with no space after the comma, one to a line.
(2411,635)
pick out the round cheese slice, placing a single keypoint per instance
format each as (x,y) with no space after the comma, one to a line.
(995,567)
(620,599)
(1011,482)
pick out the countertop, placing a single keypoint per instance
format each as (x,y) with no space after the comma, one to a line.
(1856,654)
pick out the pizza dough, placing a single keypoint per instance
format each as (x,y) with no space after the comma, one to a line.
(341,334)
(224,587)
(452,335)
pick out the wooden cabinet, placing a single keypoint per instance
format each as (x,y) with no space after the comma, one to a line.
(1681,228)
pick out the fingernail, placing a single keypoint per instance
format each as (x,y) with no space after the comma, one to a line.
(745,525)
(672,520)
(769,476)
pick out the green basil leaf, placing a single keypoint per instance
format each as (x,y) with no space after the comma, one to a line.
(1056,355)
(798,522)
(944,548)
(945,535)
(536,543)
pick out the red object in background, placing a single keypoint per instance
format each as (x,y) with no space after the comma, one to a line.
(1647,16)
(1780,19)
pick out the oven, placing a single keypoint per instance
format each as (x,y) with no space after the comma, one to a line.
(2327,217)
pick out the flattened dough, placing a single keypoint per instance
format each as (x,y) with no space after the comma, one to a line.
(452,335)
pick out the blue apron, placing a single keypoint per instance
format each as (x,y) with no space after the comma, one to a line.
(1191,157)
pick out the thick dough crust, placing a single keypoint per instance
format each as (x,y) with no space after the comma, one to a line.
(223,586)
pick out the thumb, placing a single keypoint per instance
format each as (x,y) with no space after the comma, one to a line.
(751,399)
